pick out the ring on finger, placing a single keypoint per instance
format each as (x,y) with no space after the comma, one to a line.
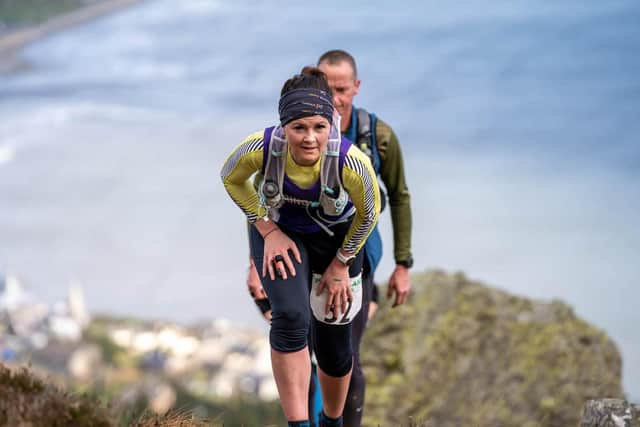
(278,258)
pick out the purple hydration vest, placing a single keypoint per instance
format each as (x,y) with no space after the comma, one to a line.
(304,219)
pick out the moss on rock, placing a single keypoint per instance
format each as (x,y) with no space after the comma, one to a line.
(461,353)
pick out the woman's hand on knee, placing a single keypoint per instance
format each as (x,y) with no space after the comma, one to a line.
(338,284)
(277,260)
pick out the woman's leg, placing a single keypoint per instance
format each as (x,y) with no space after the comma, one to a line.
(334,393)
(333,347)
(292,372)
(288,336)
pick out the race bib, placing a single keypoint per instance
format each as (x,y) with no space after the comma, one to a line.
(319,302)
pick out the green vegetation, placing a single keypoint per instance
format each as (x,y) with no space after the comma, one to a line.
(29,400)
(463,354)
(239,411)
(458,353)
(102,400)
(97,333)
(15,13)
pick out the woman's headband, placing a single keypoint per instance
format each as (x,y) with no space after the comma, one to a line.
(298,103)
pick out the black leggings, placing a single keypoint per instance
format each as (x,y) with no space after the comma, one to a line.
(291,313)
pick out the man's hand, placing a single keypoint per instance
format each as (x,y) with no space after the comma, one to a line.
(257,291)
(253,282)
(399,284)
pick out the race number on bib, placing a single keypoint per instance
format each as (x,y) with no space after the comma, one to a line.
(319,302)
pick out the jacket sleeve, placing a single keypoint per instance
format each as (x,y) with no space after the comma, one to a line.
(392,174)
(242,163)
(359,180)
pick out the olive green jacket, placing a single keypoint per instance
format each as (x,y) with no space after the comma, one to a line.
(393,178)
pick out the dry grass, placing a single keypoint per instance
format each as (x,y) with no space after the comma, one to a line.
(28,400)
(171,419)
(31,401)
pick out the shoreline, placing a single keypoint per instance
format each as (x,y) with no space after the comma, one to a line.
(12,42)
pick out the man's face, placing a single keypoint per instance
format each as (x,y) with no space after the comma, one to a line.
(344,86)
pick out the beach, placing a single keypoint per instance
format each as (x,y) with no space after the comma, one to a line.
(12,41)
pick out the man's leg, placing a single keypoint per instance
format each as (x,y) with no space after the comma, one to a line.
(315,394)
(355,397)
(315,397)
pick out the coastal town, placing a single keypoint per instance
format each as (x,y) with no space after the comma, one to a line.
(131,358)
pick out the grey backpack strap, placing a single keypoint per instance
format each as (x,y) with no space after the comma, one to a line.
(271,196)
(333,198)
(364,138)
(364,122)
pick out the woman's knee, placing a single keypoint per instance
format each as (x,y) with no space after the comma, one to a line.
(333,349)
(336,364)
(289,330)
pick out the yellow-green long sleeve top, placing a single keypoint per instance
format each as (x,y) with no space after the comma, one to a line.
(358,180)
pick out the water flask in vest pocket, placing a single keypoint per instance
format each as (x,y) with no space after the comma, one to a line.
(271,192)
(334,200)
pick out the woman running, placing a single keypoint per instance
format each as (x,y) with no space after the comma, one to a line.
(316,201)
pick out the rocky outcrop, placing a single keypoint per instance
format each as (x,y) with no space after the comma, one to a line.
(464,354)
(610,413)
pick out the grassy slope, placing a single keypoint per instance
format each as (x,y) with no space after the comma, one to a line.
(28,400)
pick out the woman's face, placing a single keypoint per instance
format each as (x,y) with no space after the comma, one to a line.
(307,138)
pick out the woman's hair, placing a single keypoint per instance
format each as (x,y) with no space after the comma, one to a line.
(309,78)
(304,95)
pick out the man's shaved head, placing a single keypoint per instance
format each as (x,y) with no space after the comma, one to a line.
(337,56)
